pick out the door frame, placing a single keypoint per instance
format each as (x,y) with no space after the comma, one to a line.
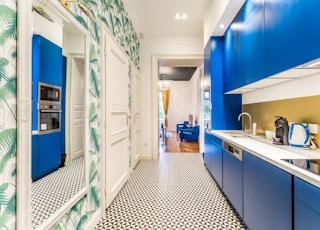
(71,62)
(135,156)
(155,96)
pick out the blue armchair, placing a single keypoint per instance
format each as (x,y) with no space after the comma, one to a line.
(190,134)
(182,126)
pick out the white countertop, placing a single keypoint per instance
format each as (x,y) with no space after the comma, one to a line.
(273,154)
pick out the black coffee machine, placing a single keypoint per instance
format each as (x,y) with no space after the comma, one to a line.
(282,131)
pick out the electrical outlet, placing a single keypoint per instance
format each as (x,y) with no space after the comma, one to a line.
(314,167)
(313,128)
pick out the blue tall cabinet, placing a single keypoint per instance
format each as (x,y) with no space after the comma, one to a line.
(47,68)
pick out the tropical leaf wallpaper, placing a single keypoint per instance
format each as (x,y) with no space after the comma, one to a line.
(113,14)
(8,118)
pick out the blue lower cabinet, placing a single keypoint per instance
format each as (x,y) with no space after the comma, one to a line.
(232,180)
(216,159)
(213,156)
(49,154)
(35,157)
(267,195)
(207,150)
(306,205)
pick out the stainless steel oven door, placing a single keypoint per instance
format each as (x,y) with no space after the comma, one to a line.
(49,121)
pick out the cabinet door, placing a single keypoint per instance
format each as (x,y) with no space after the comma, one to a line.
(306,205)
(35,158)
(49,152)
(267,195)
(244,47)
(207,150)
(216,159)
(232,180)
(290,35)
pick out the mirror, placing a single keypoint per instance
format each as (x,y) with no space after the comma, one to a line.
(207,106)
(58,114)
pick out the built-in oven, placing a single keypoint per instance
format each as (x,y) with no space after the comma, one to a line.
(49,118)
(49,108)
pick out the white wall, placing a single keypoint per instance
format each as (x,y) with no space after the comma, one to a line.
(40,26)
(151,46)
(179,105)
(184,100)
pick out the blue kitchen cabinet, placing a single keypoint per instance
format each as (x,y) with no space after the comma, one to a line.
(267,195)
(49,157)
(306,205)
(268,37)
(243,59)
(46,61)
(207,156)
(232,179)
(291,37)
(34,158)
(213,156)
(225,108)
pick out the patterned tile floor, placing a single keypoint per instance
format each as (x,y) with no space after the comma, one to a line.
(175,192)
(52,191)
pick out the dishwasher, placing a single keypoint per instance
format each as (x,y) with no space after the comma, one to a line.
(232,184)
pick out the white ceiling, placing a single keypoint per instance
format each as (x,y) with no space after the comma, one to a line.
(157,18)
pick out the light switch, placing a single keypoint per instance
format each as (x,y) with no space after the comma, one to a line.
(313,128)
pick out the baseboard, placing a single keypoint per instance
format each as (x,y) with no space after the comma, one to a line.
(96,217)
(145,157)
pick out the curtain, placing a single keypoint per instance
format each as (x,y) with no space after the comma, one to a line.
(165,99)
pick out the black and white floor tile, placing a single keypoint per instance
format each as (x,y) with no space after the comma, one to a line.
(175,192)
(54,190)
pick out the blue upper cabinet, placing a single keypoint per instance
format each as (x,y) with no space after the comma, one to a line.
(46,61)
(292,34)
(225,108)
(46,67)
(243,47)
(268,37)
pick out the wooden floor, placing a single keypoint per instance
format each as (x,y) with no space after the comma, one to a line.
(172,144)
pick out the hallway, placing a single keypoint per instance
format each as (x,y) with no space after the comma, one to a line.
(174,192)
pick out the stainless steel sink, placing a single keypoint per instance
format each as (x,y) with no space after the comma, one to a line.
(242,134)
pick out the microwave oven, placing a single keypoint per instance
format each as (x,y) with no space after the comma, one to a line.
(49,94)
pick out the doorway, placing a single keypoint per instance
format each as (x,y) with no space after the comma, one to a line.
(75,108)
(171,61)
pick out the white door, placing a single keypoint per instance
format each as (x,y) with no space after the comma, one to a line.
(116,118)
(76,105)
(136,117)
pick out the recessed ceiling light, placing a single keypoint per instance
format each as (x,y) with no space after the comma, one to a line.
(221,26)
(181,16)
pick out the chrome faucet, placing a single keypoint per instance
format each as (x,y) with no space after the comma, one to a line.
(250,123)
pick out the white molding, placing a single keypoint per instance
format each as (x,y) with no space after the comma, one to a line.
(145,157)
(24,112)
(103,122)
(58,215)
(94,220)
